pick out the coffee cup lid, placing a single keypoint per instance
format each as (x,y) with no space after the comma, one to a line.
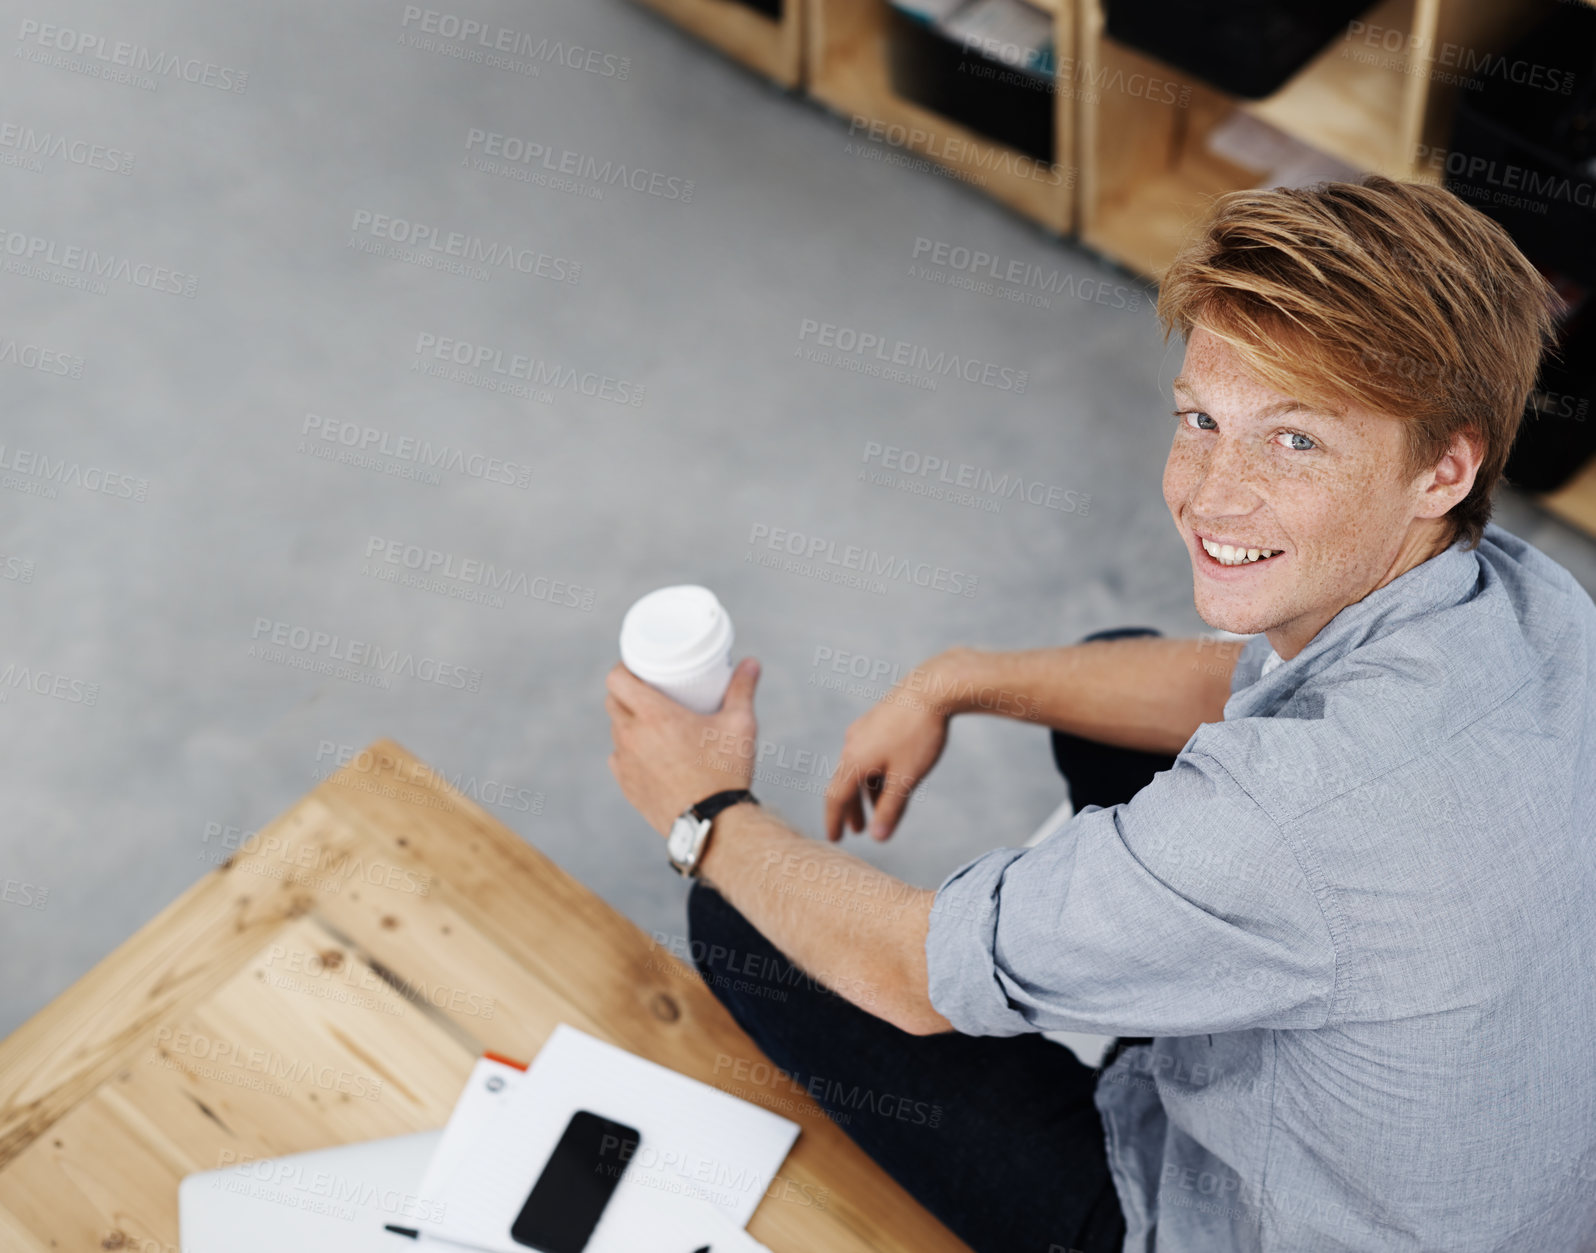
(673,630)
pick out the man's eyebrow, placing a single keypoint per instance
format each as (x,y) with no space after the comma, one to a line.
(1274,411)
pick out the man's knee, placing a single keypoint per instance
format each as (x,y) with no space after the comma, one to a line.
(1098,774)
(1065,745)
(1119,633)
(737,963)
(716,933)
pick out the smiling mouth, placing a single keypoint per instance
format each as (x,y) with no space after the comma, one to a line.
(1231,555)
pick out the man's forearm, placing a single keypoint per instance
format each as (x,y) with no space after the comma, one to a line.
(855,929)
(1143,692)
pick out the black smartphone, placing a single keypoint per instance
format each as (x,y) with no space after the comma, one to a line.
(565,1203)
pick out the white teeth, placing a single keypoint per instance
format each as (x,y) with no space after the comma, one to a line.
(1229,555)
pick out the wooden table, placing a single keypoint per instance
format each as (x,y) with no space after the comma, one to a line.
(334,981)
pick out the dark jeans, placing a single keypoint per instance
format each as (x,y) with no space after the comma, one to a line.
(996,1136)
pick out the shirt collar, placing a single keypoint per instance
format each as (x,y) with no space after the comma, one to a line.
(1443,580)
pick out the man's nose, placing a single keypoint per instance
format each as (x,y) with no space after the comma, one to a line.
(1227,486)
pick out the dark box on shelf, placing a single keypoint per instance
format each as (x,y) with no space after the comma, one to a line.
(1247,48)
(1006,103)
(1558,433)
(1524,152)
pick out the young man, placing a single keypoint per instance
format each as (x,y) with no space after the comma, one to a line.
(1347,932)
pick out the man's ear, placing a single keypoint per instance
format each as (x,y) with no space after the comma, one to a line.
(1449,481)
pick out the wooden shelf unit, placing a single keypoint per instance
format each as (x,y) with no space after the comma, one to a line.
(1575,501)
(1146,175)
(848,72)
(772,48)
(1135,171)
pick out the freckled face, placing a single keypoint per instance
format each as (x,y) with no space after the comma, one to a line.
(1256,470)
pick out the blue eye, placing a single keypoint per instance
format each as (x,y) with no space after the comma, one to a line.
(1307,444)
(1188,414)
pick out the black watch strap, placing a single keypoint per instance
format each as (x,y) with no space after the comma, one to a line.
(712,805)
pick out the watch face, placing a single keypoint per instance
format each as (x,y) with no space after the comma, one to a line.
(684,834)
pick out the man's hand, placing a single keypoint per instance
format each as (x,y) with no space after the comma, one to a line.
(885,754)
(666,756)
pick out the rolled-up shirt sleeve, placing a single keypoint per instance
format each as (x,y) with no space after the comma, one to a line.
(1185,910)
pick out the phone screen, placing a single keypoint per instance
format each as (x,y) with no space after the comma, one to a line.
(565,1203)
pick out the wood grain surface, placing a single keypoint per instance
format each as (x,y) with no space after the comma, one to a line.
(333,981)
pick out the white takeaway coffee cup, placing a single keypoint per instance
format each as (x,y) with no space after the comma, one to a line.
(679,639)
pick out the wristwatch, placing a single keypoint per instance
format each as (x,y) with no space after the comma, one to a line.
(690,832)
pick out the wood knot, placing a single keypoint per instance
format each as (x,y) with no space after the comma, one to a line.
(389,922)
(330,959)
(665,1007)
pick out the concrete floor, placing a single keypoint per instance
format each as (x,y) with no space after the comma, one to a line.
(217,517)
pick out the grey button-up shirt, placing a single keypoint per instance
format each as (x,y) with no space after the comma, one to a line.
(1357,918)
